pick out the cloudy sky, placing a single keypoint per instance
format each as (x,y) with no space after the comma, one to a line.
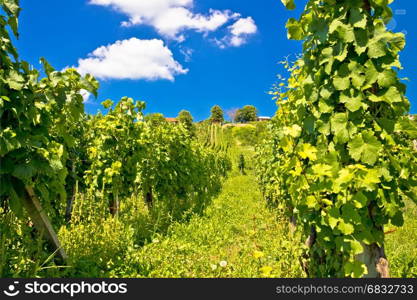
(178,54)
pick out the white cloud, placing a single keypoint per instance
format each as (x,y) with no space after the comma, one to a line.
(170,18)
(132,59)
(86,95)
(239,33)
(241,30)
(187,53)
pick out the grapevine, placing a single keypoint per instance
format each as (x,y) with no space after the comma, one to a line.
(338,160)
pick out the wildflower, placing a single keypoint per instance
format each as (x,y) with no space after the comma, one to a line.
(213,267)
(258,254)
(223,264)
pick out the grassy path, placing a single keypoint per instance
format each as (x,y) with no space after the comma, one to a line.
(238,236)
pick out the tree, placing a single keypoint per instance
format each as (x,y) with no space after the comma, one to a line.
(155,119)
(186,119)
(231,113)
(247,114)
(340,139)
(217,115)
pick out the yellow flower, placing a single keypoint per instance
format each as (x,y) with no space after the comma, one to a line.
(258,254)
(266,271)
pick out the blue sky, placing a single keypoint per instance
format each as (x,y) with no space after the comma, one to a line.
(231,64)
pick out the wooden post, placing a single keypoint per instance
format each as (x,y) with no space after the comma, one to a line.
(375,260)
(149,198)
(71,197)
(41,220)
(114,205)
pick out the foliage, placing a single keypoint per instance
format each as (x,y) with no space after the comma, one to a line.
(128,157)
(94,248)
(23,252)
(217,114)
(186,119)
(215,136)
(247,114)
(245,135)
(251,134)
(37,119)
(155,119)
(339,158)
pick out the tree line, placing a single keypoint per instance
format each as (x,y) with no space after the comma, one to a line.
(246,114)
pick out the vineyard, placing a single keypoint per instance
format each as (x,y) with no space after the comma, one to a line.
(327,188)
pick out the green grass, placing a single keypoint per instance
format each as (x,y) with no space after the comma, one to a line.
(238,236)
(401,246)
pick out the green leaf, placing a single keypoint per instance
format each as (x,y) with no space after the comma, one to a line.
(358,80)
(320,29)
(352,103)
(14,24)
(406,126)
(371,178)
(371,73)
(325,107)
(15,80)
(322,170)
(346,33)
(412,195)
(107,104)
(23,172)
(355,269)
(340,51)
(339,124)
(289,4)
(398,219)
(392,95)
(295,30)
(387,78)
(344,178)
(357,18)
(12,6)
(333,217)
(308,151)
(345,228)
(311,202)
(294,131)
(350,214)
(377,48)
(309,124)
(356,247)
(361,40)
(398,41)
(365,147)
(341,83)
(360,200)
(46,66)
(16,203)
(90,84)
